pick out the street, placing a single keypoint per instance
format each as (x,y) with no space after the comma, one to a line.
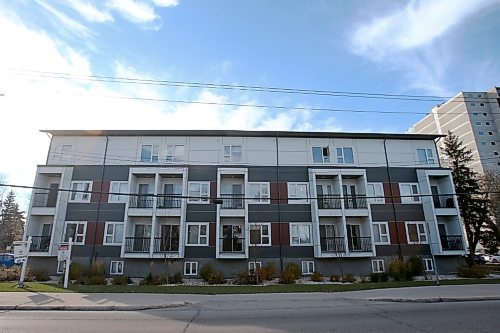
(287,313)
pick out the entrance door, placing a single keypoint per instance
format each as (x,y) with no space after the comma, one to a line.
(143,196)
(232,240)
(45,239)
(142,237)
(169,238)
(52,196)
(329,242)
(237,196)
(353,236)
(350,196)
(435,196)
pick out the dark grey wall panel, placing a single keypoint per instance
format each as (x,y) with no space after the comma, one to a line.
(107,251)
(256,252)
(202,173)
(270,174)
(94,172)
(398,175)
(88,212)
(298,251)
(289,213)
(201,213)
(404,212)
(199,252)
(406,250)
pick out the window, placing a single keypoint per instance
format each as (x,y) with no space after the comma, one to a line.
(487,123)
(375,192)
(232,153)
(493,143)
(415,231)
(258,192)
(428,265)
(481,104)
(478,123)
(479,95)
(321,154)
(483,143)
(260,234)
(191,268)
(199,192)
(149,153)
(300,234)
(116,268)
(253,266)
(297,193)
(76,231)
(197,234)
(378,266)
(490,133)
(80,191)
(475,114)
(485,114)
(425,156)
(481,133)
(381,233)
(113,233)
(307,267)
(175,153)
(118,187)
(470,95)
(495,153)
(344,155)
(472,104)
(409,193)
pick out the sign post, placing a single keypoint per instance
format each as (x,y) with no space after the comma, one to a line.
(64,254)
(21,253)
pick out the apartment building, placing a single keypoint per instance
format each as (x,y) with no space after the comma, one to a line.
(330,202)
(475,118)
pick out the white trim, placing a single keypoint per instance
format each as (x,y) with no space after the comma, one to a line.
(261,235)
(172,157)
(309,225)
(202,199)
(419,232)
(407,197)
(117,198)
(253,266)
(153,158)
(387,234)
(262,198)
(230,157)
(428,264)
(308,264)
(114,224)
(325,159)
(80,196)
(378,266)
(191,265)
(188,224)
(76,235)
(340,158)
(292,198)
(377,197)
(119,265)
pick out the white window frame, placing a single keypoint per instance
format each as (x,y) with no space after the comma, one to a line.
(199,225)
(116,267)
(261,234)
(378,266)
(80,196)
(411,197)
(429,156)
(190,268)
(173,155)
(204,197)
(153,158)
(340,158)
(66,153)
(263,198)
(428,264)
(253,266)
(387,234)
(83,235)
(116,240)
(374,196)
(118,198)
(421,234)
(292,193)
(309,225)
(229,156)
(325,158)
(306,266)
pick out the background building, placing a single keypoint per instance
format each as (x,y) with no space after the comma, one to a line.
(475,118)
(240,199)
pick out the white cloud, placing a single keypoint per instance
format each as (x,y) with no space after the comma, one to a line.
(67,22)
(134,11)
(166,3)
(90,12)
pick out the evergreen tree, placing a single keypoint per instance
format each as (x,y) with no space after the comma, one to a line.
(473,204)
(11,221)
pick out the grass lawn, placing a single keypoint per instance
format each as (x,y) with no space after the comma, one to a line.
(229,289)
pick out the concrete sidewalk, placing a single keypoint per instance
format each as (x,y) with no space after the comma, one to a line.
(135,302)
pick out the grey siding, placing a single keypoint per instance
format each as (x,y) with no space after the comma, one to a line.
(201,213)
(88,212)
(202,173)
(284,174)
(404,212)
(94,172)
(288,213)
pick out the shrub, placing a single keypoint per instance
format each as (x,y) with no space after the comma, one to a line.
(287,277)
(335,278)
(216,278)
(349,278)
(97,268)
(153,280)
(317,277)
(10,274)
(414,266)
(41,274)
(175,278)
(245,278)
(379,277)
(365,279)
(206,272)
(474,272)
(294,269)
(397,270)
(96,280)
(267,272)
(121,280)
(75,271)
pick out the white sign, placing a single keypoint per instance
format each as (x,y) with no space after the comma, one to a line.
(63,251)
(20,251)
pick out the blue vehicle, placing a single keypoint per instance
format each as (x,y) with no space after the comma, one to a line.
(7,260)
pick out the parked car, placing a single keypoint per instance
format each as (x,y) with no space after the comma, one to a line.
(7,260)
(485,257)
(494,258)
(478,259)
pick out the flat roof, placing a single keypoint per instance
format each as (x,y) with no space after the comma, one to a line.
(281,134)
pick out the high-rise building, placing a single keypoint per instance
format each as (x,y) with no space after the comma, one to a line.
(475,118)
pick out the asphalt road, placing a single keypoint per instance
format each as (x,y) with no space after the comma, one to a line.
(284,315)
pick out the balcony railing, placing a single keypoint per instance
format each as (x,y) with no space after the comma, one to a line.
(356,202)
(40,243)
(452,242)
(137,244)
(443,201)
(360,244)
(167,201)
(166,245)
(231,245)
(329,201)
(332,244)
(44,199)
(141,201)
(232,201)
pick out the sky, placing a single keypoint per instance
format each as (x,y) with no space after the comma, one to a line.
(429,48)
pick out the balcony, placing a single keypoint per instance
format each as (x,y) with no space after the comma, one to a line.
(360,244)
(452,243)
(232,201)
(169,201)
(162,245)
(332,244)
(137,244)
(40,244)
(329,201)
(443,201)
(355,202)
(44,199)
(231,245)
(141,201)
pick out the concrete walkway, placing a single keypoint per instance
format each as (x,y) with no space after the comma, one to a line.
(135,302)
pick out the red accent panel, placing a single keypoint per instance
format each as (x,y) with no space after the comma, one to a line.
(89,237)
(96,188)
(213,190)
(275,234)
(97,229)
(395,192)
(212,234)
(394,233)
(279,191)
(285,234)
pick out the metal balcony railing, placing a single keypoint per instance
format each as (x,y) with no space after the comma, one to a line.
(231,245)
(232,201)
(44,199)
(141,201)
(40,243)
(443,201)
(161,245)
(357,202)
(452,242)
(360,244)
(332,244)
(137,244)
(329,201)
(169,201)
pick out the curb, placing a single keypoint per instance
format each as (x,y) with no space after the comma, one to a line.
(91,307)
(436,299)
